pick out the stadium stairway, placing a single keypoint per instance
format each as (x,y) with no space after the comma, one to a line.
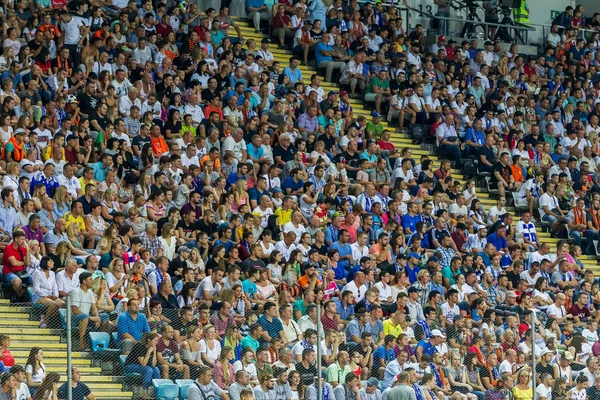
(25,334)
(399,140)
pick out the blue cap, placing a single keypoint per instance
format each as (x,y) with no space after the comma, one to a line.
(415,255)
(376,115)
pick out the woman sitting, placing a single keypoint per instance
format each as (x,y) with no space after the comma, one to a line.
(45,290)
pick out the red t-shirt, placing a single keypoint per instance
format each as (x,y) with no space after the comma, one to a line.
(582,313)
(10,251)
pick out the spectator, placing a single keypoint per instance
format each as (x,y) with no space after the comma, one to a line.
(79,390)
(142,359)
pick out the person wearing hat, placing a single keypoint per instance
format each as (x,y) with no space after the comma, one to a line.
(14,150)
(375,127)
(371,390)
(265,391)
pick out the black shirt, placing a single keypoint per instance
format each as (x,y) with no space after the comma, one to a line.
(87,103)
(140,141)
(504,170)
(489,156)
(176,264)
(307,375)
(286,155)
(540,369)
(249,264)
(139,350)
(209,229)
(102,121)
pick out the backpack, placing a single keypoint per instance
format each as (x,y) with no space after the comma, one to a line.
(469,169)
(417,134)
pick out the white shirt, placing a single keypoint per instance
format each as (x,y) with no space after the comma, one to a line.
(65,284)
(449,312)
(505,366)
(121,88)
(82,300)
(43,286)
(418,101)
(549,201)
(236,148)
(125,105)
(73,186)
(357,253)
(444,132)
(250,368)
(298,230)
(384,292)
(195,111)
(359,293)
(71,31)
(543,391)
(284,250)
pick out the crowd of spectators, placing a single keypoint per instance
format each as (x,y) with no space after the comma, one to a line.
(198,198)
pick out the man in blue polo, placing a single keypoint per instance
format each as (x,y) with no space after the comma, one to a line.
(131,326)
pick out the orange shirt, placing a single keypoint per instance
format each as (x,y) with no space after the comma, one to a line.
(517,173)
(217,163)
(303,281)
(159,146)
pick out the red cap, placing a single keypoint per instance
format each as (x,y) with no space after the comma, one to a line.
(441,38)
(343,93)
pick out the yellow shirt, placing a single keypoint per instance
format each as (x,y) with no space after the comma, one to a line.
(83,183)
(390,329)
(523,394)
(283,216)
(70,218)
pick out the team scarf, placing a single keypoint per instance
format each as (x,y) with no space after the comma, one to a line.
(438,378)
(418,392)
(425,326)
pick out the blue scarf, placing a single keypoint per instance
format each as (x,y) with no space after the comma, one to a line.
(418,392)
(438,378)
(159,278)
(425,326)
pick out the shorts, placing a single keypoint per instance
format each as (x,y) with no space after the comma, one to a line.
(9,278)
(549,218)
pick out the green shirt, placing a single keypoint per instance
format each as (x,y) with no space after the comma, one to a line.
(249,341)
(384,85)
(448,273)
(374,130)
(336,374)
(299,305)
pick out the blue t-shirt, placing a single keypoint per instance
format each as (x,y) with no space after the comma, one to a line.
(344,250)
(319,56)
(272,328)
(381,352)
(428,348)
(79,392)
(249,287)
(410,222)
(126,324)
(499,243)
(289,183)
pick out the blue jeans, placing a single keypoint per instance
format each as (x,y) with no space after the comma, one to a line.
(589,234)
(148,373)
(452,151)
(551,219)
(442,23)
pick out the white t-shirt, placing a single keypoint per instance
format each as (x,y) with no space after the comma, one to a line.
(236,148)
(207,285)
(212,355)
(250,368)
(82,300)
(543,391)
(505,366)
(549,201)
(449,312)
(299,230)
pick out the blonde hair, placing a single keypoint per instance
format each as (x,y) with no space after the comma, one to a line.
(10,167)
(97,284)
(60,196)
(71,229)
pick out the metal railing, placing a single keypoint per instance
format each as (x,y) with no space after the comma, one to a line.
(521,31)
